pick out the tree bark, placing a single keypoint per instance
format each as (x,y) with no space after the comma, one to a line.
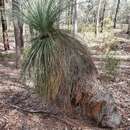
(117,10)
(18,32)
(21,34)
(18,44)
(75,17)
(31,32)
(127,18)
(98,17)
(127,11)
(69,15)
(60,7)
(128,31)
(94,22)
(102,18)
(4,26)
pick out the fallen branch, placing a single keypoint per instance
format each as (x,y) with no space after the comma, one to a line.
(3,122)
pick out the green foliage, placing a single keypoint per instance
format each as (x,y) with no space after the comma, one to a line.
(108,23)
(86,28)
(6,55)
(111,64)
(110,42)
(113,46)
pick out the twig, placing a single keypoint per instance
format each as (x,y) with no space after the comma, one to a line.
(3,121)
(30,111)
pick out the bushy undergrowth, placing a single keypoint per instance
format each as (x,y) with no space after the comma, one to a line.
(111,64)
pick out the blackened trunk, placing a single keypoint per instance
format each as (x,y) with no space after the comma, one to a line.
(4,26)
(31,32)
(128,31)
(94,21)
(18,32)
(117,10)
(18,43)
(21,34)
(68,15)
(102,18)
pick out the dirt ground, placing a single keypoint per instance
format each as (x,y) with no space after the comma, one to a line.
(21,109)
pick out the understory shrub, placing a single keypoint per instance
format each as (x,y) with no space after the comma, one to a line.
(111,64)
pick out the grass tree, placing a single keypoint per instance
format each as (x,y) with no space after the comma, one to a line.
(61,68)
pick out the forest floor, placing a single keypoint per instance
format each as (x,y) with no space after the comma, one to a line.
(21,109)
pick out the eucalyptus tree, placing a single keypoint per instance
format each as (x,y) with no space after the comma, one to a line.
(4,25)
(18,32)
(98,16)
(75,16)
(117,10)
(61,68)
(103,14)
(128,20)
(72,16)
(69,14)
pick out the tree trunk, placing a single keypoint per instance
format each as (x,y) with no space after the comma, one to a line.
(94,22)
(102,18)
(75,17)
(128,31)
(117,10)
(127,11)
(18,32)
(60,7)
(4,26)
(80,87)
(70,15)
(21,34)
(31,32)
(18,44)
(98,17)
(127,18)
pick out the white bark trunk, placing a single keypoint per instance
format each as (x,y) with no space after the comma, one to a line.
(75,18)
(98,17)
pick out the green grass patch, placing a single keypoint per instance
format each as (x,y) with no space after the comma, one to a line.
(7,56)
